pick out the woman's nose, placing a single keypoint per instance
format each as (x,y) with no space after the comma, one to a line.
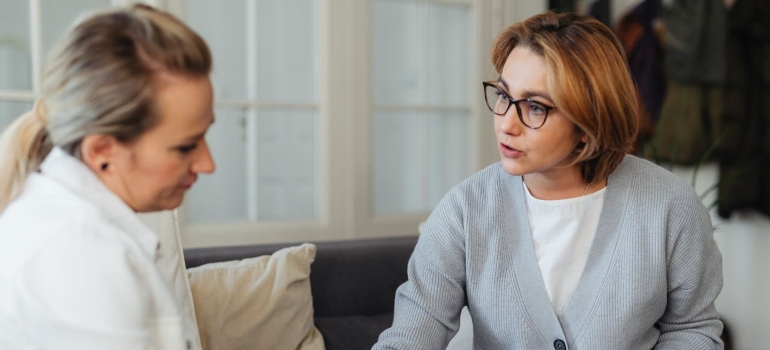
(510,122)
(205,162)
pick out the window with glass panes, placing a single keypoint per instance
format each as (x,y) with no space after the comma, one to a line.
(28,29)
(265,139)
(423,60)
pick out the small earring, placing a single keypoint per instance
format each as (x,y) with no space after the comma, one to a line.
(104,166)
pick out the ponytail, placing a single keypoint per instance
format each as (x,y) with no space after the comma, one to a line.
(23,146)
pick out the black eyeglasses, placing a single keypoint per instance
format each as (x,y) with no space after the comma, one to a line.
(499,102)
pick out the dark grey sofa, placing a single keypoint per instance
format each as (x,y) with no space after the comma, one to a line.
(353,284)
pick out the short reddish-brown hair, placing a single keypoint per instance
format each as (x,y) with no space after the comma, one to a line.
(588,79)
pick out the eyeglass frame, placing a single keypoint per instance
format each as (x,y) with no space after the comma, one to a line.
(513,101)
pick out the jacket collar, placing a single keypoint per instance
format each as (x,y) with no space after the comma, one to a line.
(71,173)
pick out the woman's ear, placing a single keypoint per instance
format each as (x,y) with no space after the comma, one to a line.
(98,152)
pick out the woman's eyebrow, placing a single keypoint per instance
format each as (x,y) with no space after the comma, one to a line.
(502,82)
(525,94)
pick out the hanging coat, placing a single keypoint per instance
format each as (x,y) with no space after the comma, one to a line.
(744,160)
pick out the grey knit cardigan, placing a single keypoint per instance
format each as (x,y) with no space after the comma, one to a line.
(652,275)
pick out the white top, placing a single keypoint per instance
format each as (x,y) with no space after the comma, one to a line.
(79,270)
(563,231)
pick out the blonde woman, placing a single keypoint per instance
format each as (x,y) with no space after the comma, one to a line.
(567,242)
(119,130)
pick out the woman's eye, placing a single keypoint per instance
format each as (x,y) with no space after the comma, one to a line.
(184,149)
(536,108)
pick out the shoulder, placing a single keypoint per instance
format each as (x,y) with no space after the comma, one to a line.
(655,193)
(482,185)
(62,257)
(94,283)
(46,198)
(45,206)
(480,196)
(484,177)
(48,224)
(649,180)
(73,266)
(639,167)
(477,193)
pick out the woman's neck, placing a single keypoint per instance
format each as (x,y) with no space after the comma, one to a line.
(560,186)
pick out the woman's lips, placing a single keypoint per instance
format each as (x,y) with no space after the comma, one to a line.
(508,151)
(187,185)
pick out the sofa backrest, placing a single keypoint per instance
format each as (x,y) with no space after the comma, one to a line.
(348,277)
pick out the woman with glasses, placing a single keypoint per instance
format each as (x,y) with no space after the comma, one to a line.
(568,242)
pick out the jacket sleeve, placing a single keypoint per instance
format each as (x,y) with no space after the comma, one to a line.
(88,293)
(428,304)
(694,282)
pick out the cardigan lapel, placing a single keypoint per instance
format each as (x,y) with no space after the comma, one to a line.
(527,271)
(585,297)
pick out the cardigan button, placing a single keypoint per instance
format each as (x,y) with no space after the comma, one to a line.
(559,345)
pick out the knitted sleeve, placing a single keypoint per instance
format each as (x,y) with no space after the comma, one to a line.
(428,304)
(694,281)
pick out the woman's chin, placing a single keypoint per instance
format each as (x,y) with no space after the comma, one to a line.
(511,168)
(167,204)
(173,204)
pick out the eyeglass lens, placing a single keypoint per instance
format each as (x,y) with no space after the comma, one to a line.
(530,112)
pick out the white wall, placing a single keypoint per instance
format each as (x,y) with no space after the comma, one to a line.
(745,300)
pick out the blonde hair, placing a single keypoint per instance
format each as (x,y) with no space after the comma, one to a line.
(99,80)
(588,79)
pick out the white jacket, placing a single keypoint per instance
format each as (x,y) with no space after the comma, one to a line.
(79,270)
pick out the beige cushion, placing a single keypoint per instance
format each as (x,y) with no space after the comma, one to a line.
(257,303)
